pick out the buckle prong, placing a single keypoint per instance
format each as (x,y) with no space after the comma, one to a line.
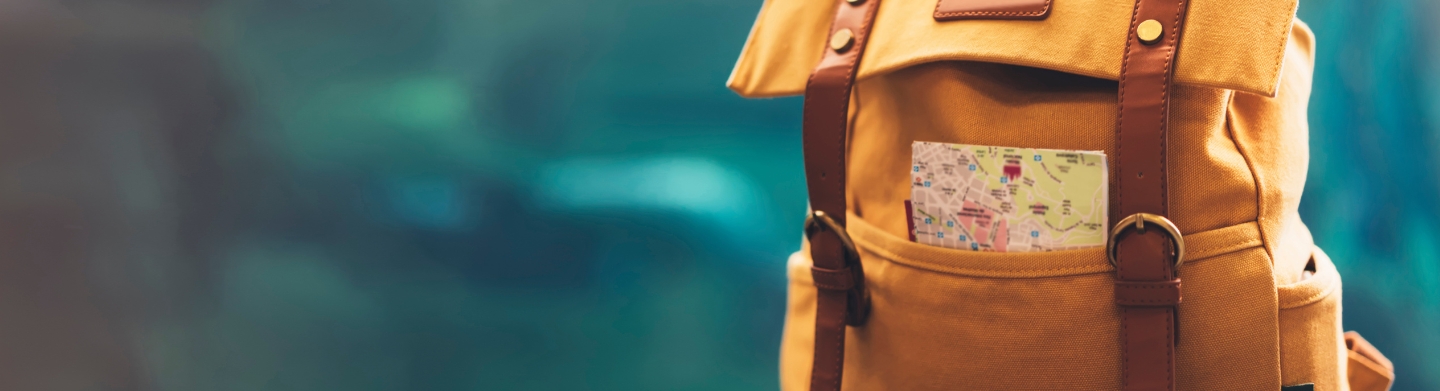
(1139,220)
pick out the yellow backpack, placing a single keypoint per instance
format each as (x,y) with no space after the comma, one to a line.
(1208,280)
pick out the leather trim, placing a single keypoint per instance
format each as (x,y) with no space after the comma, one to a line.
(1366,369)
(946,10)
(825,130)
(1148,330)
(1359,346)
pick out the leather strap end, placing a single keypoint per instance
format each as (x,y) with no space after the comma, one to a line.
(833,280)
(1148,294)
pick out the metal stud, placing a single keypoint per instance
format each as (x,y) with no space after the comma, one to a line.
(1149,31)
(842,40)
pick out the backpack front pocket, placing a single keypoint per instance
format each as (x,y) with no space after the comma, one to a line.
(944,319)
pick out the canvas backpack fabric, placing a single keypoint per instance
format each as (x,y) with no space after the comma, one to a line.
(1207,125)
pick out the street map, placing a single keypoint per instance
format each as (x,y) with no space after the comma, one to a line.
(984,198)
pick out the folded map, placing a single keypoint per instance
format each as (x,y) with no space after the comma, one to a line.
(1004,199)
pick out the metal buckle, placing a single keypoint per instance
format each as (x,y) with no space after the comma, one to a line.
(819,218)
(1138,221)
(859,305)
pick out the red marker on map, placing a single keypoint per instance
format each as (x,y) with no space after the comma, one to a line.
(1013,172)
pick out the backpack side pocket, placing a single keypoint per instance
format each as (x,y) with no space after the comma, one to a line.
(1311,346)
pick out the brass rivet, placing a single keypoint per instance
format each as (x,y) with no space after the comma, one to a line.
(842,40)
(1149,31)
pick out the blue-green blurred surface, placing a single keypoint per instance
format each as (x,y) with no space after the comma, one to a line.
(512,194)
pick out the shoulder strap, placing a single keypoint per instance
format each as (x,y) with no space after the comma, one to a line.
(1147,285)
(826,125)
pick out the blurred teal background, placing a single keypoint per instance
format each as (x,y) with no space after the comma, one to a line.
(512,194)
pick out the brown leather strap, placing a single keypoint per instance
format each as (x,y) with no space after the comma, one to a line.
(1145,258)
(826,125)
(1147,294)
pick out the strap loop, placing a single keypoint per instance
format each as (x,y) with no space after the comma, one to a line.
(1147,294)
(850,277)
(834,280)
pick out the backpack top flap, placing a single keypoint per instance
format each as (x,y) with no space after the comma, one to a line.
(1227,44)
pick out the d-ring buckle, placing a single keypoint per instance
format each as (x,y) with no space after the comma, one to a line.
(859,304)
(1138,221)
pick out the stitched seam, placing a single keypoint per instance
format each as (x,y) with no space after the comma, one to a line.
(938,14)
(805,123)
(1170,351)
(1165,106)
(991,13)
(1147,301)
(1284,36)
(840,347)
(1312,299)
(854,106)
(1246,244)
(1125,286)
(1097,268)
(1125,347)
(860,42)
(850,79)
(1165,175)
(1126,373)
(1120,118)
(1245,153)
(893,257)
(819,296)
